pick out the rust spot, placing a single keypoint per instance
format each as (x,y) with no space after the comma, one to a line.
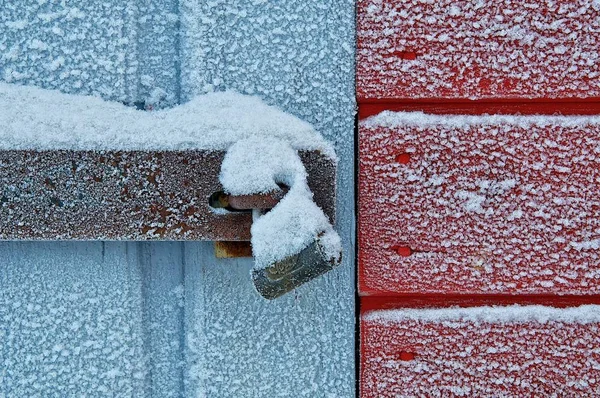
(162,211)
(117,158)
(97,178)
(56,201)
(125,193)
(152,178)
(183,227)
(259,201)
(49,183)
(233,249)
(190,211)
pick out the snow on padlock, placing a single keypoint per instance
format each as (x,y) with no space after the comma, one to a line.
(479,205)
(294,242)
(530,351)
(422,49)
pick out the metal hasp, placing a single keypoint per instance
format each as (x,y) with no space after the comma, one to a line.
(129,195)
(283,276)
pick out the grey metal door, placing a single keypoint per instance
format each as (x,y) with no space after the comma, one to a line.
(168,319)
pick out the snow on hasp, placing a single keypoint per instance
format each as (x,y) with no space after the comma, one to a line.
(294,242)
(503,49)
(479,205)
(78,167)
(481,352)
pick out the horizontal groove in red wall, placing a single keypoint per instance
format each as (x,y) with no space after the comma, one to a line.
(368,303)
(540,106)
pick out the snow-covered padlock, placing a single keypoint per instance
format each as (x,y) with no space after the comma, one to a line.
(294,242)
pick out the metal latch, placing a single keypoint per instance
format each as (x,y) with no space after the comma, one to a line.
(293,240)
(285,275)
(143,195)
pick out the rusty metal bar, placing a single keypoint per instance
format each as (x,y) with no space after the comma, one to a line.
(128,195)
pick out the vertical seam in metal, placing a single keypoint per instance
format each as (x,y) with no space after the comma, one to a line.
(177,62)
(182,324)
(356,292)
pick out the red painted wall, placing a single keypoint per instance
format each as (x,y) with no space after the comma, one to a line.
(482,210)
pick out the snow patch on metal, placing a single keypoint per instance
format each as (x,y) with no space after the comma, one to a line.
(259,166)
(37,119)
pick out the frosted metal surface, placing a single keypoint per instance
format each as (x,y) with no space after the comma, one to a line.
(168,319)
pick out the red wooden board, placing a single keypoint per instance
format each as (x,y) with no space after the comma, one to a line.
(478,49)
(479,205)
(484,210)
(481,352)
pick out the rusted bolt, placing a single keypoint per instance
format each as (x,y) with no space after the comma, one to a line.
(407,356)
(233,249)
(403,158)
(241,203)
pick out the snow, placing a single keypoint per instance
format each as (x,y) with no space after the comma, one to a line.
(259,165)
(389,119)
(510,314)
(34,118)
(79,47)
(61,331)
(254,166)
(587,245)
